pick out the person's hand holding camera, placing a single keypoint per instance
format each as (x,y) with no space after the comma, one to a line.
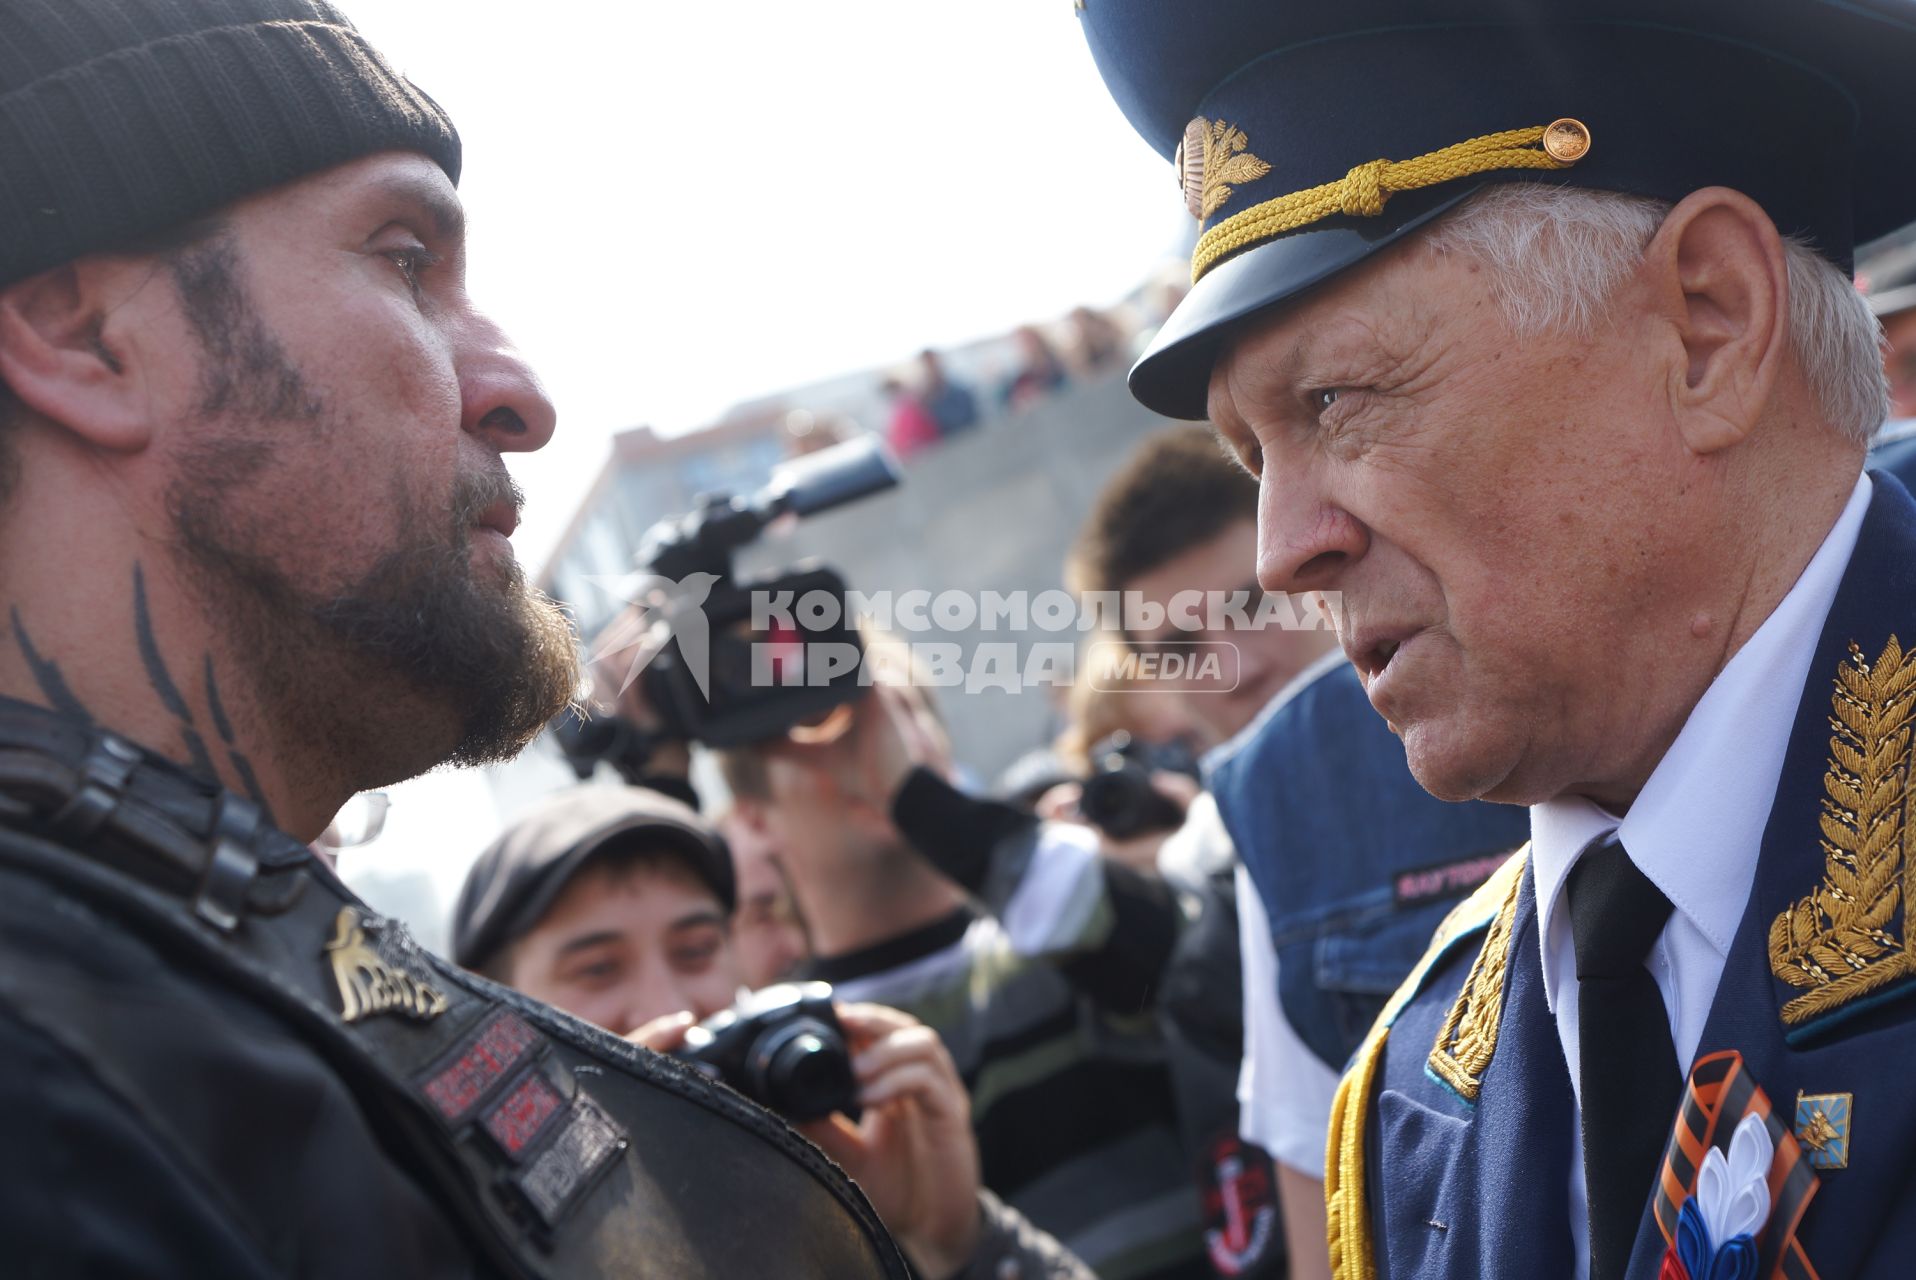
(1138,850)
(664,1034)
(913,1151)
(864,751)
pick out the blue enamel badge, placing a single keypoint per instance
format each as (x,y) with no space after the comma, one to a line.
(1822,1126)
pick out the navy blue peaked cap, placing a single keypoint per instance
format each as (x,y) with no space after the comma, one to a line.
(1308,134)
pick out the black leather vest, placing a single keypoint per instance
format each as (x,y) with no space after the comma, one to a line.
(556,1150)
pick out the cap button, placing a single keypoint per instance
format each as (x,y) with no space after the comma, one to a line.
(1189,162)
(1566,141)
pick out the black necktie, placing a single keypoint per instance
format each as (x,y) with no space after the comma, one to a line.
(1628,1076)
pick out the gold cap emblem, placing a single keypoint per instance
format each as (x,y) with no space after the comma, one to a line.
(1211,161)
(1566,140)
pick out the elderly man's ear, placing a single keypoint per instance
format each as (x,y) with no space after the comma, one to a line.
(70,349)
(1721,282)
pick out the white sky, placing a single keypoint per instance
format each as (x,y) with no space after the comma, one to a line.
(675,207)
(679,206)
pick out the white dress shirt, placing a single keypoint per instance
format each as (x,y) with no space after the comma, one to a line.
(1696,828)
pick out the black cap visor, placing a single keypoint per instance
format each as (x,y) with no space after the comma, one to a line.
(1173,377)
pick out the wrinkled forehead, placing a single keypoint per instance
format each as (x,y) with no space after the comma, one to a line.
(1377,311)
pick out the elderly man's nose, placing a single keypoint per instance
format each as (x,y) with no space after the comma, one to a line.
(1304,541)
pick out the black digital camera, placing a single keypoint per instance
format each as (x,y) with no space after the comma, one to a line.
(1118,797)
(781,1047)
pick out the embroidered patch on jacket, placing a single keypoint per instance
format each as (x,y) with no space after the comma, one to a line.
(1240,1205)
(1445,880)
(483,1060)
(1468,1039)
(1849,936)
(521,1116)
(584,1150)
(368,984)
(1822,1126)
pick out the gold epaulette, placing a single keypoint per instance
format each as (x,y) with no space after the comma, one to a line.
(1347,1218)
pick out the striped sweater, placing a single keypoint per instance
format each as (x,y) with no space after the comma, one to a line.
(1046,998)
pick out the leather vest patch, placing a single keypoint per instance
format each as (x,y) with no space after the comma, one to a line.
(368,984)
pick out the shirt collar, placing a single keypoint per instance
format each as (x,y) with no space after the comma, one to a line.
(1696,827)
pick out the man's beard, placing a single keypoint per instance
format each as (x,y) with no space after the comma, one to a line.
(425,658)
(495,657)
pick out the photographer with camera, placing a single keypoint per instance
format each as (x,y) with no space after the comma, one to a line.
(1037,960)
(615,904)
(1178,518)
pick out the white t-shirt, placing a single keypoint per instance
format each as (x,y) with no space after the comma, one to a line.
(1284,1091)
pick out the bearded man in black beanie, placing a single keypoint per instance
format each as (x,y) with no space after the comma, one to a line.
(253,552)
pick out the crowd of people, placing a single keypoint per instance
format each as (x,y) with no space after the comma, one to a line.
(1534,902)
(927,404)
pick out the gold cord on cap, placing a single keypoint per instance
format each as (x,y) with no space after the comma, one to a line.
(1364,191)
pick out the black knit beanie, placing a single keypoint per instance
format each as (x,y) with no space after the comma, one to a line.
(122,118)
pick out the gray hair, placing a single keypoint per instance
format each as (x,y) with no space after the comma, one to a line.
(1592,240)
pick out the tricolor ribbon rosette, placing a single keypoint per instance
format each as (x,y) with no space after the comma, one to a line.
(1734,1183)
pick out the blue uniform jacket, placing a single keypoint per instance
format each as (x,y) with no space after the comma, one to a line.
(1451,1134)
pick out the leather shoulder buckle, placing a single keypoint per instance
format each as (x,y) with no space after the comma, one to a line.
(233,866)
(102,784)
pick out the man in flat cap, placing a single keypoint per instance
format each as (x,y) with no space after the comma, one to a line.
(616,904)
(254,514)
(1536,323)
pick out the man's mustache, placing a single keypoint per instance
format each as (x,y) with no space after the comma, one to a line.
(475,492)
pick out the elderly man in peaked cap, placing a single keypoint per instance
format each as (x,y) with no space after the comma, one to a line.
(1535,322)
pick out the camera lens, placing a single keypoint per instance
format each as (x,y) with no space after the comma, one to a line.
(803,1071)
(1122,803)
(1116,801)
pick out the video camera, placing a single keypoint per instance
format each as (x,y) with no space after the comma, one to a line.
(719,679)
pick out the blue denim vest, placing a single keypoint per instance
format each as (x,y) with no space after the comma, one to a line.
(1356,863)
